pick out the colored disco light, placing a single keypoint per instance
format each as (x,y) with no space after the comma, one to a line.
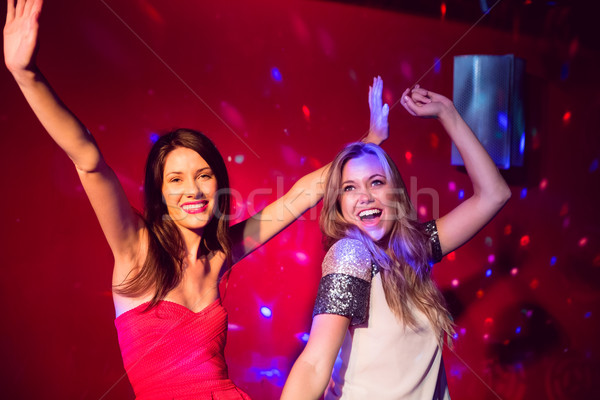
(455,282)
(422,211)
(461,194)
(522,143)
(588,314)
(552,261)
(583,241)
(564,71)
(514,271)
(488,242)
(408,155)
(239,159)
(508,229)
(543,184)
(451,186)
(437,65)
(306,113)
(534,284)
(455,336)
(276,75)
(503,120)
(523,193)
(518,330)
(154,137)
(479,293)
(567,117)
(266,312)
(491,258)
(488,321)
(451,256)
(593,165)
(525,240)
(443,9)
(488,273)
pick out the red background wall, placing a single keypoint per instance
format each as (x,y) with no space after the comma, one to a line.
(131,69)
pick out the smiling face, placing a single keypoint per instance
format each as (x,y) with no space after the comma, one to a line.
(189,188)
(366,199)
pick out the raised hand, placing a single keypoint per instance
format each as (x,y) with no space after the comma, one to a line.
(379,127)
(21,34)
(424,103)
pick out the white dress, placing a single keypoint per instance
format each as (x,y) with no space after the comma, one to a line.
(380,358)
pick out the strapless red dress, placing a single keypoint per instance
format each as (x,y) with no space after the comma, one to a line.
(171,352)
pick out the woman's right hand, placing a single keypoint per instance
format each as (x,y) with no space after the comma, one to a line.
(21,34)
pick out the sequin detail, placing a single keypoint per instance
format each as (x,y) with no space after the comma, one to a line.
(436,248)
(345,286)
(344,295)
(350,257)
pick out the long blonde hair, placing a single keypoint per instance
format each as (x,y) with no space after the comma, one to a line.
(403,255)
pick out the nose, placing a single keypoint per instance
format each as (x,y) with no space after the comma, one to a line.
(192,190)
(365,196)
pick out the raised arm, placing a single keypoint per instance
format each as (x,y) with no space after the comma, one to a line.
(306,192)
(490,191)
(120,224)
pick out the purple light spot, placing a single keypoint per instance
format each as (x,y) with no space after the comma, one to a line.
(154,137)
(564,71)
(266,312)
(594,165)
(503,120)
(276,75)
(588,314)
(488,273)
(523,193)
(552,261)
(437,66)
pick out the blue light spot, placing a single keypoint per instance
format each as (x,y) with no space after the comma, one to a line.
(269,373)
(154,137)
(488,273)
(564,71)
(503,120)
(594,165)
(266,312)
(524,193)
(437,65)
(588,314)
(518,330)
(455,336)
(461,194)
(239,159)
(522,143)
(304,337)
(552,261)
(276,74)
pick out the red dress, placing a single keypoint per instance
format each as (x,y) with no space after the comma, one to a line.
(170,352)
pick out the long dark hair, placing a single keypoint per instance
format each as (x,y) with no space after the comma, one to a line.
(162,269)
(403,255)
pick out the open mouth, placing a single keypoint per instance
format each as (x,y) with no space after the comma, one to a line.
(195,207)
(370,214)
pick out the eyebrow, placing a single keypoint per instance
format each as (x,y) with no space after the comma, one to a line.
(371,177)
(179,172)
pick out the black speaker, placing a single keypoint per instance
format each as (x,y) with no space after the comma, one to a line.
(488,94)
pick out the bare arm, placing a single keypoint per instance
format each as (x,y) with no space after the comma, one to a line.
(306,192)
(310,374)
(490,191)
(120,224)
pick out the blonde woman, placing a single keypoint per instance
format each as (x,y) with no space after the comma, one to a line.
(377,300)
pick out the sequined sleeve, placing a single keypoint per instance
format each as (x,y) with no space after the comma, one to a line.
(346,282)
(434,239)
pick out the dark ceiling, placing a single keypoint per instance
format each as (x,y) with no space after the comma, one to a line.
(559,20)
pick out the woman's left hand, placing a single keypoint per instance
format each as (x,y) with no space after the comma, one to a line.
(379,127)
(424,103)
